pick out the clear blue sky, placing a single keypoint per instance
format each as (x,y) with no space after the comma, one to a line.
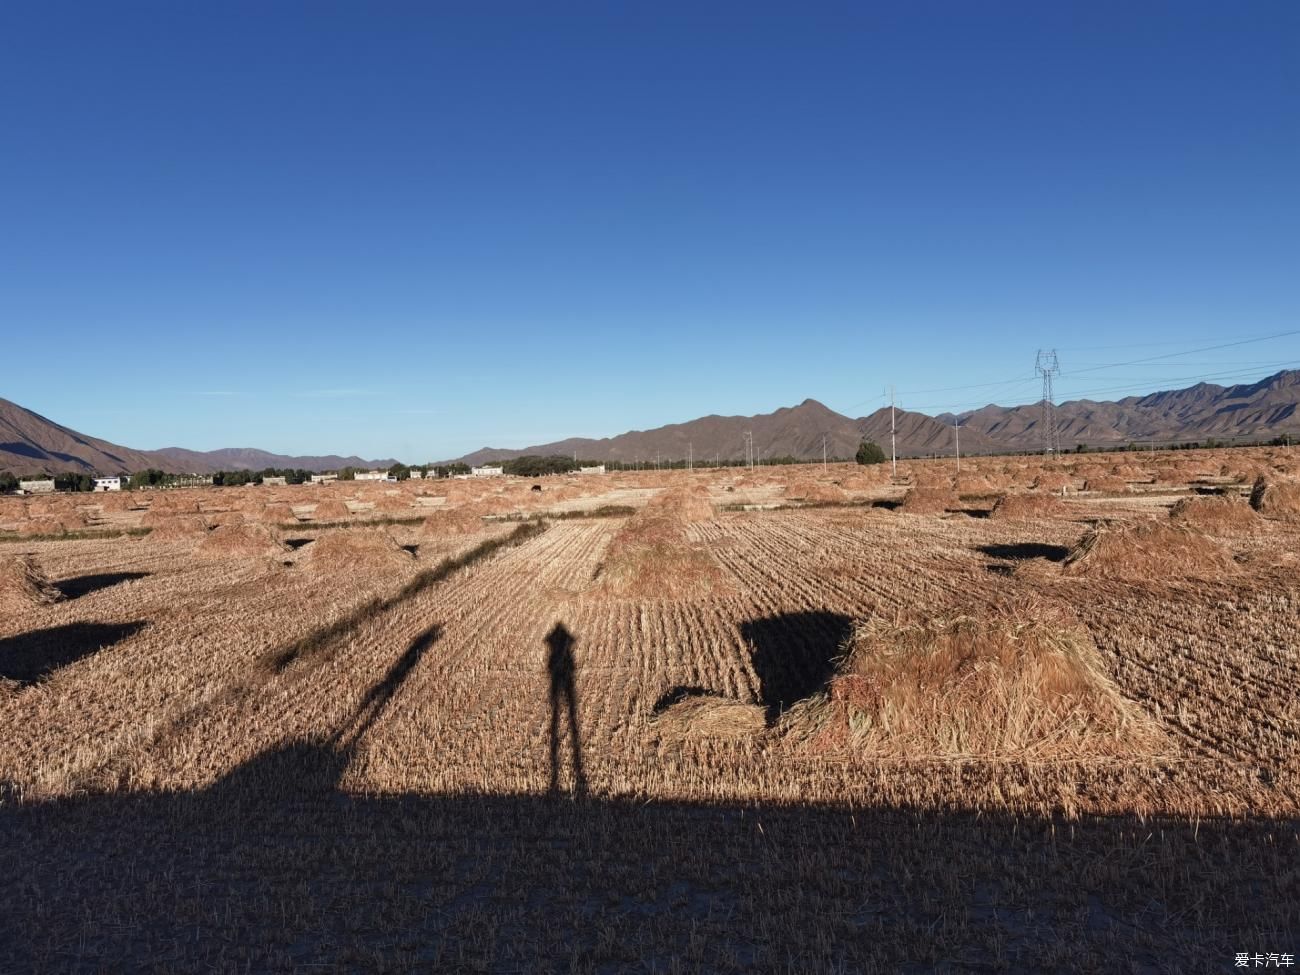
(414,229)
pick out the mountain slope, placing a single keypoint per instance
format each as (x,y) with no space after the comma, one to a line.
(31,444)
(1263,409)
(251,459)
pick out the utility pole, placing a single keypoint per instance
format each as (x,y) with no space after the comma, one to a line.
(893,443)
(1047,367)
(749,448)
(823,453)
(956,431)
(690,456)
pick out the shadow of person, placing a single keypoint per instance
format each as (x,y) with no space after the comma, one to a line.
(560,665)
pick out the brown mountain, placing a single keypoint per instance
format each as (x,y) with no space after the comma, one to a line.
(33,444)
(793,431)
(1253,411)
(1250,411)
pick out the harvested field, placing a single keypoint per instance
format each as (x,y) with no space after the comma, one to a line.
(817,739)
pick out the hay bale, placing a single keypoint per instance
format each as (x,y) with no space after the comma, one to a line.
(240,542)
(1275,498)
(1016,680)
(1027,507)
(23,585)
(697,716)
(1214,514)
(1148,552)
(356,548)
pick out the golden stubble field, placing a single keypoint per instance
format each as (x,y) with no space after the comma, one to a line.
(1035,717)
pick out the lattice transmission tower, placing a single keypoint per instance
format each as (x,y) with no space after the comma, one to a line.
(1047,367)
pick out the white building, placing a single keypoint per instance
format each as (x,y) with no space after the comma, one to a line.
(323,478)
(108,484)
(36,487)
(192,480)
(598,469)
(279,481)
(370,475)
(417,475)
(487,471)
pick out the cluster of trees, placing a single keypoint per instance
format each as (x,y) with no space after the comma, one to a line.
(869,452)
(68,481)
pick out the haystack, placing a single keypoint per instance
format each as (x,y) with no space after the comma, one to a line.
(652,557)
(929,501)
(1053,481)
(815,492)
(465,519)
(390,505)
(1027,507)
(698,716)
(330,510)
(174,528)
(1107,484)
(1214,514)
(1018,680)
(23,585)
(45,525)
(1276,498)
(1148,552)
(277,512)
(216,519)
(356,548)
(240,542)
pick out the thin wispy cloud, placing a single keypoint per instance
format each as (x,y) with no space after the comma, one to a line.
(333,393)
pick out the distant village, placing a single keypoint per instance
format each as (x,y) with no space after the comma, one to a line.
(161,480)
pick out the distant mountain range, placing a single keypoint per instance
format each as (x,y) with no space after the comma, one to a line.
(33,444)
(1259,410)
(30,443)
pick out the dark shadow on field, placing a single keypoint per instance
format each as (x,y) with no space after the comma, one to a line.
(794,655)
(1020,551)
(276,869)
(296,543)
(29,658)
(561,668)
(678,694)
(79,586)
(889,504)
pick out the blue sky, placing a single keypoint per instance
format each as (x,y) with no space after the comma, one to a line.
(416,229)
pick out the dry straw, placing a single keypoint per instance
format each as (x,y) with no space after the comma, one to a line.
(1148,552)
(23,585)
(1011,680)
(1276,498)
(351,549)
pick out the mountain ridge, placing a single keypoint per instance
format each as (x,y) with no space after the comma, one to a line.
(32,444)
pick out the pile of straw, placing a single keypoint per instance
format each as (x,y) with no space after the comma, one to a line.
(23,585)
(1148,552)
(1019,680)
